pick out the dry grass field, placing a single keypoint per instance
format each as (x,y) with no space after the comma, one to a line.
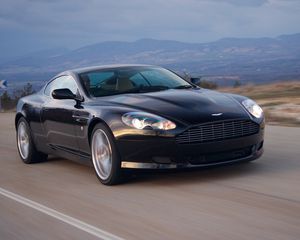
(280,101)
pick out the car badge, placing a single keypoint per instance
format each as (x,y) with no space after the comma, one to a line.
(216,114)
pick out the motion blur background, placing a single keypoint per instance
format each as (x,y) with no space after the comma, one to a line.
(248,47)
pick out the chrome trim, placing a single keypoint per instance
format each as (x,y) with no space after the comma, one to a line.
(216,114)
(141,165)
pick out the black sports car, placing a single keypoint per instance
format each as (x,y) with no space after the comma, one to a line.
(136,116)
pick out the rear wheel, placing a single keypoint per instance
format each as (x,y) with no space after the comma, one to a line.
(105,156)
(26,147)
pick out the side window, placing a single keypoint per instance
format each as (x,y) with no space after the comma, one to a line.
(102,78)
(49,87)
(61,82)
(98,83)
(69,82)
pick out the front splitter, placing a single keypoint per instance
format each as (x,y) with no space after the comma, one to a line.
(141,165)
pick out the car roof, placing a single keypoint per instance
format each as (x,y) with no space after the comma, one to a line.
(103,67)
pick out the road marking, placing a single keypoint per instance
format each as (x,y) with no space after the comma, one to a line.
(60,216)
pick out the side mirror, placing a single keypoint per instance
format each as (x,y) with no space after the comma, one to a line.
(196,81)
(63,93)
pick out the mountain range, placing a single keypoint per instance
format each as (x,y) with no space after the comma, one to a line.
(256,60)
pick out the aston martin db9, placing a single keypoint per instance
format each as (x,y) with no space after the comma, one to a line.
(136,117)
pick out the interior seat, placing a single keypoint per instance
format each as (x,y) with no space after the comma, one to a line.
(124,84)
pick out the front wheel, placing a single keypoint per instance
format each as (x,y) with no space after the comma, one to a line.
(105,156)
(26,147)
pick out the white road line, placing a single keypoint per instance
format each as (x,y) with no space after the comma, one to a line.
(60,216)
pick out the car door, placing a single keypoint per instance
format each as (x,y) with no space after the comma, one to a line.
(57,116)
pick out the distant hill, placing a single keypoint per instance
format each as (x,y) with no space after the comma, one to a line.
(248,59)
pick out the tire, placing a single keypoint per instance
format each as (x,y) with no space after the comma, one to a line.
(105,157)
(25,144)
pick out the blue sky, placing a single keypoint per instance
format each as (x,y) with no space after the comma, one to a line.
(30,25)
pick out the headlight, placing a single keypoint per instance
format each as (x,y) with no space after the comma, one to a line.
(253,108)
(143,120)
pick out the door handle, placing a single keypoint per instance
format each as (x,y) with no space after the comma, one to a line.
(80,119)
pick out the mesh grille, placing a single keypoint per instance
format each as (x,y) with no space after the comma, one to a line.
(216,131)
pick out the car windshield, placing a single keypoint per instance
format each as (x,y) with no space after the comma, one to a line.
(107,82)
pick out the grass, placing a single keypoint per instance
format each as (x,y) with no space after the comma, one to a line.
(280,101)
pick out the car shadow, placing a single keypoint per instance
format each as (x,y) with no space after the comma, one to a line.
(171,177)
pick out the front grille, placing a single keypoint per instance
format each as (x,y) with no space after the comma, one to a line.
(216,131)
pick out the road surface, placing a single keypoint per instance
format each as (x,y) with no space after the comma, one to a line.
(60,199)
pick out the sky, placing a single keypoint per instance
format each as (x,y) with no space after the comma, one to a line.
(31,25)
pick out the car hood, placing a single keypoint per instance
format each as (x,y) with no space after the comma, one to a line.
(192,106)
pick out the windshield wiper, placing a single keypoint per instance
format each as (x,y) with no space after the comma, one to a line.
(144,89)
(132,90)
(183,87)
(154,88)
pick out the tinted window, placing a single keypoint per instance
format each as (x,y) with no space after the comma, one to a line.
(61,82)
(130,80)
(138,80)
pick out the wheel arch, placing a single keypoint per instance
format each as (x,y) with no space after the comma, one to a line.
(92,125)
(115,174)
(17,118)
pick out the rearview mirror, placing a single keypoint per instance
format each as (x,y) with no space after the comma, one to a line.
(63,93)
(196,81)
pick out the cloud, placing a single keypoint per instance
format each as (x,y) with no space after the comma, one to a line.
(247,3)
(26,25)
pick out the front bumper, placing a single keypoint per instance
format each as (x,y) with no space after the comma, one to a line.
(150,152)
(142,165)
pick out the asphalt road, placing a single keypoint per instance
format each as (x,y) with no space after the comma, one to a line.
(258,200)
